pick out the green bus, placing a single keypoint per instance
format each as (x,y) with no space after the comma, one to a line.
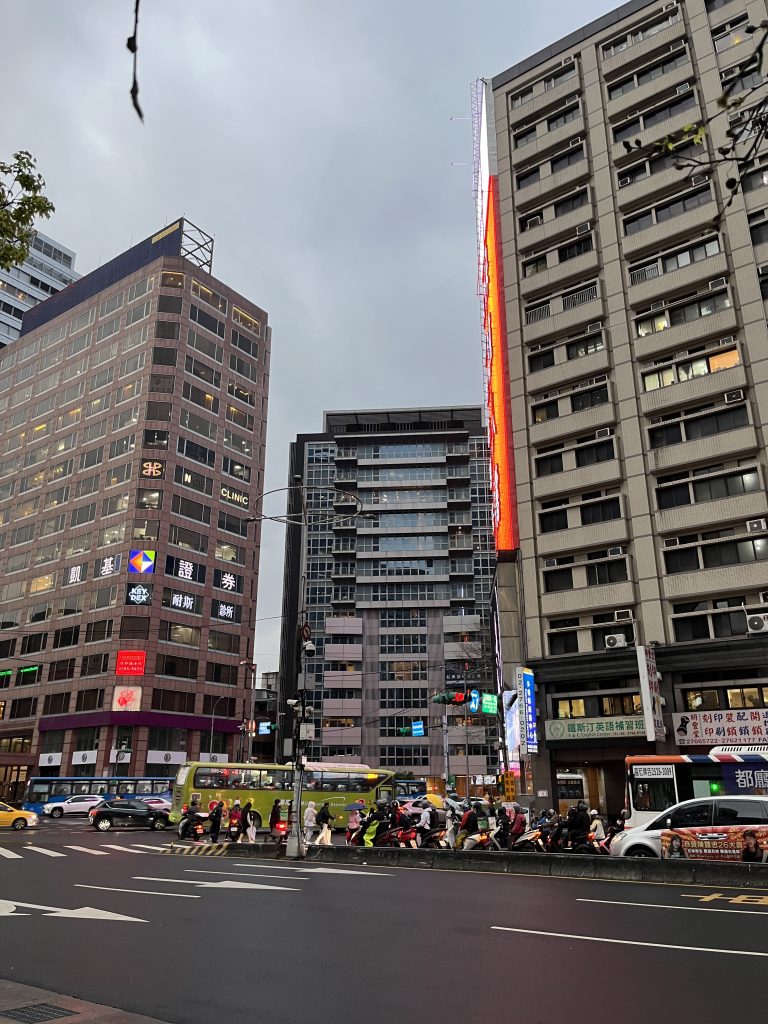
(262,784)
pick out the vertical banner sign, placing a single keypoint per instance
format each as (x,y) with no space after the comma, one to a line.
(650,694)
(526,709)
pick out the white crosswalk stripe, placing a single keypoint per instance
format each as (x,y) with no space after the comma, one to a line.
(120,849)
(87,849)
(45,851)
(9,854)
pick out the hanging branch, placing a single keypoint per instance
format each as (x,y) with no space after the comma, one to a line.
(756,128)
(133,45)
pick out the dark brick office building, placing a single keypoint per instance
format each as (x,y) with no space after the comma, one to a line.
(133,414)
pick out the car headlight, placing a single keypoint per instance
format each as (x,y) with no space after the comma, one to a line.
(33,819)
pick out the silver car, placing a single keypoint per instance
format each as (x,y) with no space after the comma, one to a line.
(707,817)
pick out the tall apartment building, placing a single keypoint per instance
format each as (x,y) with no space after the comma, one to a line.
(627,347)
(392,575)
(132,415)
(48,268)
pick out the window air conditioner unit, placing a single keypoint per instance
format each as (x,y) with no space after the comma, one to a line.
(764,597)
(623,614)
(604,432)
(699,179)
(719,282)
(568,60)
(762,269)
(757,623)
(728,73)
(756,526)
(656,305)
(549,563)
(669,7)
(615,551)
(671,542)
(582,229)
(734,118)
(727,341)
(733,396)
(596,326)
(614,640)
(685,87)
(576,142)
(626,180)
(679,44)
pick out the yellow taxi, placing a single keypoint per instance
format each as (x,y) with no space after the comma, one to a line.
(11,818)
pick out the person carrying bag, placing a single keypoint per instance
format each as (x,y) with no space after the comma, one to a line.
(324,819)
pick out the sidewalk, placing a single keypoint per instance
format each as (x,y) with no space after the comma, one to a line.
(37,1005)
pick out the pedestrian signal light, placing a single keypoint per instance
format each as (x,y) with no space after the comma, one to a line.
(715,789)
(450,697)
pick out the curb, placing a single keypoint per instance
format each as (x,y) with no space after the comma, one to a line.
(617,869)
(223,850)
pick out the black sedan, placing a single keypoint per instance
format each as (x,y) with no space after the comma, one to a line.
(130,813)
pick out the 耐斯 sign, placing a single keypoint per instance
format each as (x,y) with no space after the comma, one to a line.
(593,728)
(693,728)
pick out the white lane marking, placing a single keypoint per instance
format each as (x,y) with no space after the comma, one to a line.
(87,849)
(144,892)
(121,849)
(10,854)
(347,871)
(7,907)
(44,851)
(671,906)
(626,942)
(146,846)
(246,874)
(312,870)
(228,884)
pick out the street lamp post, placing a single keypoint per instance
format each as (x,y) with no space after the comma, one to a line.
(213,712)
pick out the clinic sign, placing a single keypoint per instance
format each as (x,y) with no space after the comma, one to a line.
(526,709)
(233,496)
(650,694)
(694,728)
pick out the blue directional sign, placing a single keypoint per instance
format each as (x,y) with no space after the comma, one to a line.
(264,729)
(417,728)
(474,701)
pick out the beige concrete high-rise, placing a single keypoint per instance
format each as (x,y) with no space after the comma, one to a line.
(632,332)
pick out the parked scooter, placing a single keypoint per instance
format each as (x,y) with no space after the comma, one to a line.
(531,841)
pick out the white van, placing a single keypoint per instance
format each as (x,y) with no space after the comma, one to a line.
(711,829)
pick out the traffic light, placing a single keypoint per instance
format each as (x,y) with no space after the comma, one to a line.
(450,697)
(405,731)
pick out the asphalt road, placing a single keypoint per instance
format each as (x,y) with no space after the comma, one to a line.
(221,939)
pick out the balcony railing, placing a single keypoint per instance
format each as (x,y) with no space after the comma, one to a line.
(579,298)
(534,316)
(644,274)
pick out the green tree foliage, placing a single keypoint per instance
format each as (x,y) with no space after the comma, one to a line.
(21,202)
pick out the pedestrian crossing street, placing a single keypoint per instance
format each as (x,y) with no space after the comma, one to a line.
(104,850)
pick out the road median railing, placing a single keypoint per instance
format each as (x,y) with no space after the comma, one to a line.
(620,869)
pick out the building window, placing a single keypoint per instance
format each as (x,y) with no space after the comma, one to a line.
(178,701)
(569,708)
(557,580)
(94,665)
(563,643)
(180,633)
(89,700)
(56,703)
(178,668)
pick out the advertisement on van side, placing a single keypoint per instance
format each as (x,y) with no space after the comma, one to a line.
(748,844)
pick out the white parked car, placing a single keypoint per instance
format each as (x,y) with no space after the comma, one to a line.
(157,803)
(80,804)
(702,819)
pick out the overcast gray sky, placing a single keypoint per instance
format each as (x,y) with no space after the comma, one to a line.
(313,139)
